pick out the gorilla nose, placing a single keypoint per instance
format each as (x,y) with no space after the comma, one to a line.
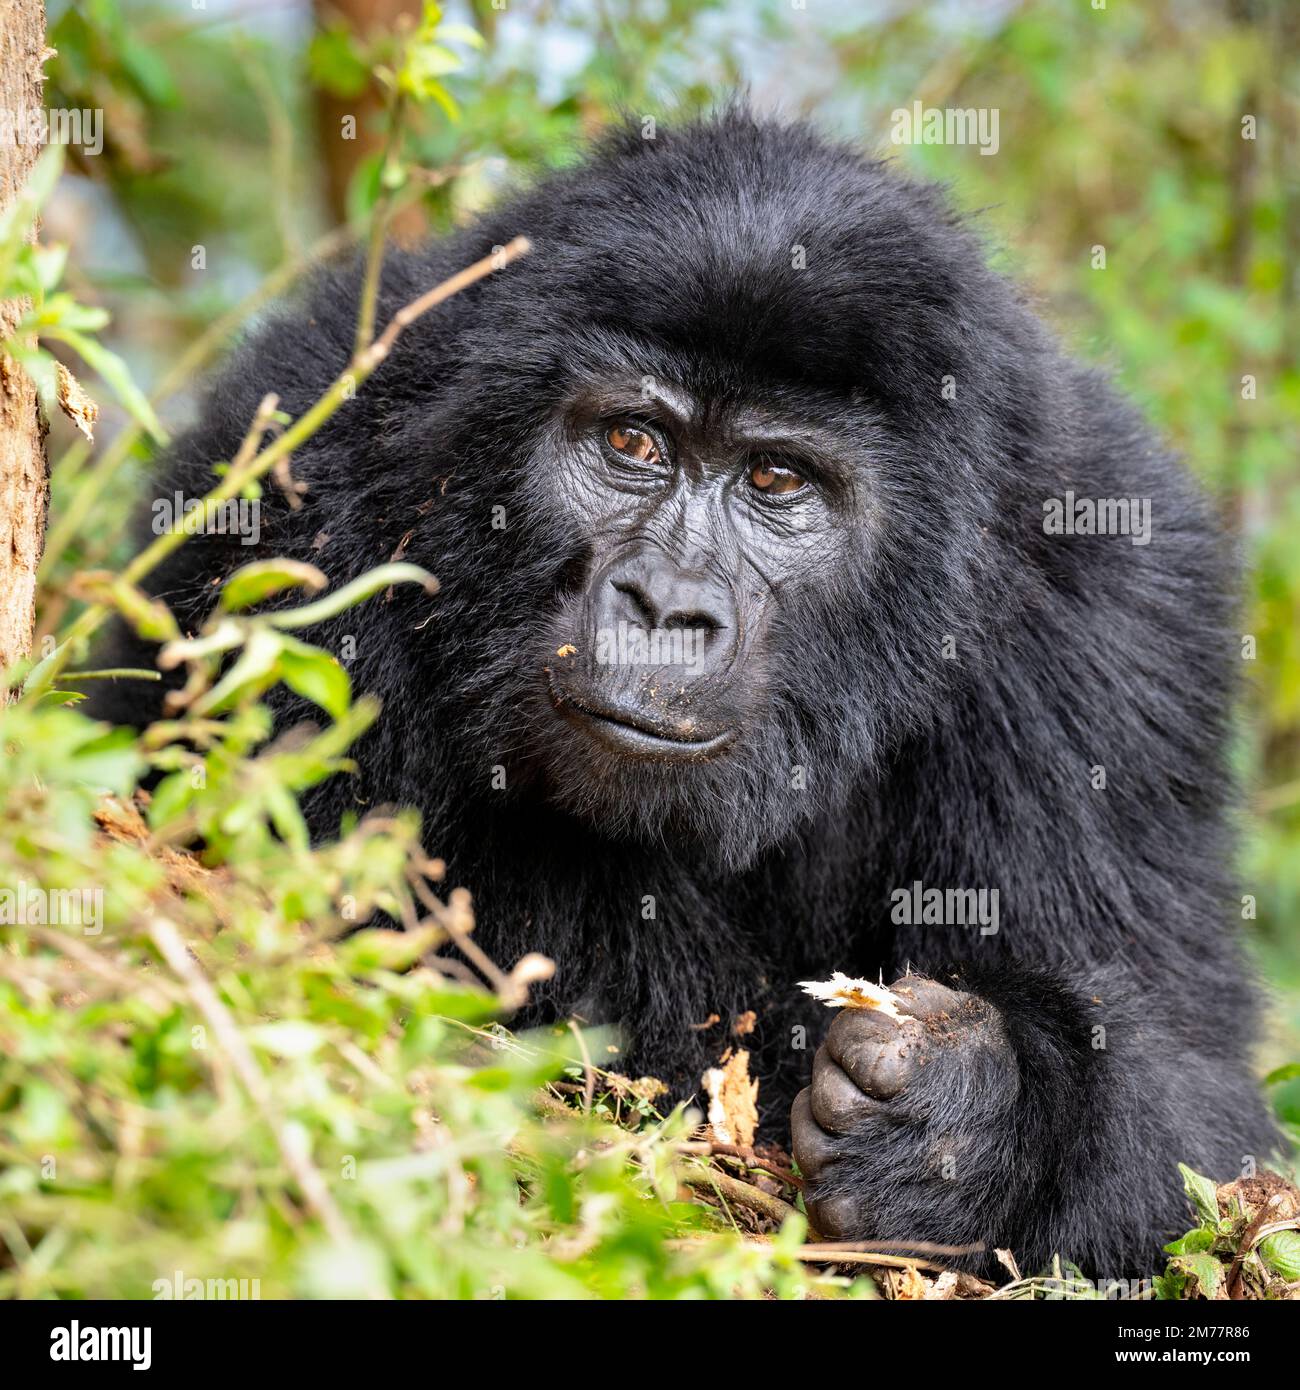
(650,673)
(648,590)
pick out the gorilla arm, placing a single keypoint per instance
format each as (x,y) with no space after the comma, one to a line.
(1057,1069)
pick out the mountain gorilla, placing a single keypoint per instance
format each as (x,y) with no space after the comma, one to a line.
(755,636)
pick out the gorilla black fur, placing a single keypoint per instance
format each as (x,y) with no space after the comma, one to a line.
(937,682)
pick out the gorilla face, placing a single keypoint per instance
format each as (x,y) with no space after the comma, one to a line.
(711,539)
(718,547)
(758,403)
(700,521)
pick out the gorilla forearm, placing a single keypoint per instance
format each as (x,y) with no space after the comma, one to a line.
(1126,1011)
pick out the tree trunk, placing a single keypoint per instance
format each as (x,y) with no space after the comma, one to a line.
(23,481)
(341,157)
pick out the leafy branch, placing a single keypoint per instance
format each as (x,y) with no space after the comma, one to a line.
(245,471)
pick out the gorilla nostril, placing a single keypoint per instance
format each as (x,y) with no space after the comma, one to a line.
(651,591)
(640,600)
(667,616)
(692,620)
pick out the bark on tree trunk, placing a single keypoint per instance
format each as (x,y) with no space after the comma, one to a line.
(23,480)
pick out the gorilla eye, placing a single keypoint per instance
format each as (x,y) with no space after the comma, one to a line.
(633,443)
(772,479)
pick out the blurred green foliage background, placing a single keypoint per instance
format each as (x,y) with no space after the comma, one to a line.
(1120,127)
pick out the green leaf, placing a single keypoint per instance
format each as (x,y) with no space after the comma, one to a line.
(290,1038)
(38,678)
(1170,1285)
(433,60)
(1281,1252)
(381,948)
(171,798)
(1206,1272)
(253,584)
(1202,1193)
(791,1235)
(316,676)
(147,71)
(286,817)
(110,762)
(16,220)
(62,313)
(360,589)
(255,670)
(461,33)
(1289,1072)
(49,262)
(40,366)
(424,88)
(223,638)
(22,281)
(42,179)
(335,63)
(1197,1239)
(150,617)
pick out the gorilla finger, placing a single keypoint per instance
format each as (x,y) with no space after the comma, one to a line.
(925,998)
(814,1149)
(861,1025)
(836,1218)
(879,1064)
(838,1105)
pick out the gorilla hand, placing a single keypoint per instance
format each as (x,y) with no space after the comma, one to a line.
(908,1127)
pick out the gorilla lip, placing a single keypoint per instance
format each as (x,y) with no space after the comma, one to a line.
(626,732)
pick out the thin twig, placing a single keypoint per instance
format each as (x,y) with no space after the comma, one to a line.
(496,260)
(448,919)
(742,1193)
(588,1071)
(832,1255)
(306,425)
(280,130)
(205,998)
(380,217)
(112,673)
(156,993)
(713,1148)
(924,1247)
(822,1254)
(1249,1238)
(192,358)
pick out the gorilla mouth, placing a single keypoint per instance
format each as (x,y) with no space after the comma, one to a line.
(628,731)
